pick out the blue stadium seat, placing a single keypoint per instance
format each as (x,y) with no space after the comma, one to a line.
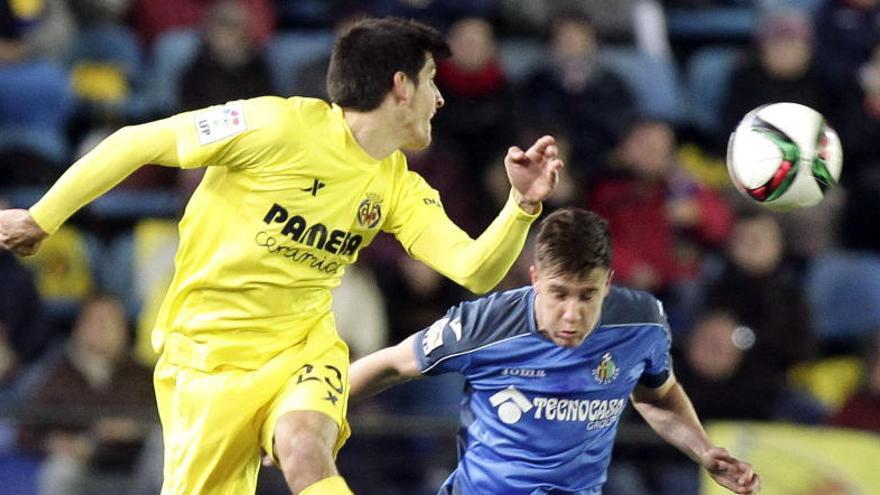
(521,56)
(131,204)
(114,205)
(105,63)
(808,6)
(35,104)
(114,44)
(843,290)
(19,474)
(654,81)
(729,23)
(291,50)
(708,80)
(22,197)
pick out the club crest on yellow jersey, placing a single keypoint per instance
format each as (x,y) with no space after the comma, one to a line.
(369,212)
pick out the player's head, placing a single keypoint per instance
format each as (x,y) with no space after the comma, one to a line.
(377,57)
(571,274)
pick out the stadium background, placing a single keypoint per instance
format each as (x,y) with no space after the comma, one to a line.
(774,317)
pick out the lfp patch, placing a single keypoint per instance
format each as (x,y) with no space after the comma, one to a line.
(218,123)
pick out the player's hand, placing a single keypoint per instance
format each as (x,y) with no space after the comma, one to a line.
(19,232)
(533,173)
(731,473)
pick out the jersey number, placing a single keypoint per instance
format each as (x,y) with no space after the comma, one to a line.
(331,376)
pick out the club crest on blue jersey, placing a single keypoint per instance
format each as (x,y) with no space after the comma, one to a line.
(370,211)
(607,370)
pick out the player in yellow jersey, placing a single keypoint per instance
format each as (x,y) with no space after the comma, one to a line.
(295,188)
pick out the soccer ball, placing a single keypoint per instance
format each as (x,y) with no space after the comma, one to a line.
(784,156)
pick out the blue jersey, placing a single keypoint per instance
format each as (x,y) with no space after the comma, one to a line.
(538,418)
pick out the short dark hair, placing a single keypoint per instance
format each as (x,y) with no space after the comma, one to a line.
(368,54)
(573,241)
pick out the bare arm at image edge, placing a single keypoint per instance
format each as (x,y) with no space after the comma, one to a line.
(669,412)
(382,369)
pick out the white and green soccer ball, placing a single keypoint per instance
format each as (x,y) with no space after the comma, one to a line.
(784,156)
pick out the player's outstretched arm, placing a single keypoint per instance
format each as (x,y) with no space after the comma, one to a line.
(668,411)
(384,368)
(479,264)
(114,159)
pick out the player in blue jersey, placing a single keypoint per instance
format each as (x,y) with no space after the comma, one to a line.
(549,369)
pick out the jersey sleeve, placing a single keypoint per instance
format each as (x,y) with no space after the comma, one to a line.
(417,205)
(658,366)
(422,227)
(239,134)
(449,343)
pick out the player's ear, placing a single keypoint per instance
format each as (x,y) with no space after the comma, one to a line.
(533,274)
(401,87)
(609,279)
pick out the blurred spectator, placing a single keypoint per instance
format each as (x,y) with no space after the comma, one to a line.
(10,369)
(152,17)
(575,91)
(638,22)
(98,12)
(95,372)
(779,67)
(230,64)
(25,333)
(862,411)
(21,311)
(711,369)
(311,79)
(38,29)
(479,111)
(850,30)
(858,231)
(857,119)
(437,13)
(359,309)
(760,286)
(35,100)
(661,219)
(724,382)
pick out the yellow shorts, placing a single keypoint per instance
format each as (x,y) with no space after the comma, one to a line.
(217,424)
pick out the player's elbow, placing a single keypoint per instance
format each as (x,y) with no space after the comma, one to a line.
(479,285)
(403,360)
(476,280)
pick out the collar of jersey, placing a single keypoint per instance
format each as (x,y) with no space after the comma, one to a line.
(530,311)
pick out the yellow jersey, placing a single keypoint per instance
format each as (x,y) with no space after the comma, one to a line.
(288,200)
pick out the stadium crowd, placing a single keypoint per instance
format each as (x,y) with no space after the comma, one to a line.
(775,317)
